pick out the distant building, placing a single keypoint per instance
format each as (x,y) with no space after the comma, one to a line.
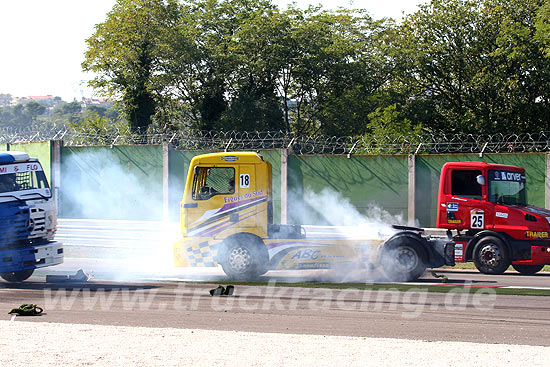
(5,99)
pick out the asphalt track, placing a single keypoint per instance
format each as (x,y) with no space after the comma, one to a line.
(155,296)
(480,316)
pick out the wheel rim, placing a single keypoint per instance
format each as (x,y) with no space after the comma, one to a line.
(240,259)
(407,259)
(490,255)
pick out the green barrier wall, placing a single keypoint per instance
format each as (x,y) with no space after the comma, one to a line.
(428,170)
(179,165)
(41,150)
(123,182)
(3,147)
(364,181)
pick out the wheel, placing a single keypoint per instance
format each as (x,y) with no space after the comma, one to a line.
(244,257)
(403,259)
(528,269)
(17,276)
(491,256)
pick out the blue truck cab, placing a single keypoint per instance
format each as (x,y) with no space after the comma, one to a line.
(28,218)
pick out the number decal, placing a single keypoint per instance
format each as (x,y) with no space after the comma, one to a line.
(477,219)
(245,181)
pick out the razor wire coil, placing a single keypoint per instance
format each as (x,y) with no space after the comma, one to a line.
(189,140)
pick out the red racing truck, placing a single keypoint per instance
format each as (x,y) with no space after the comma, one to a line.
(486,205)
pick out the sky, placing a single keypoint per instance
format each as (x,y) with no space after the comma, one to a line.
(43,41)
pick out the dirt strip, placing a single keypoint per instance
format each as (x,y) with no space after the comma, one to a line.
(51,344)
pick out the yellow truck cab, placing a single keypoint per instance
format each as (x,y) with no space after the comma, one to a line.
(227,220)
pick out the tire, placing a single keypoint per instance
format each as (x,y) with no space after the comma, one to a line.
(403,259)
(491,255)
(17,276)
(244,257)
(528,269)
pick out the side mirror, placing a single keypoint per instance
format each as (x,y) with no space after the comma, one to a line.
(480,180)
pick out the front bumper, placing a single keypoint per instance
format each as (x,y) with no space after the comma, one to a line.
(31,257)
(539,256)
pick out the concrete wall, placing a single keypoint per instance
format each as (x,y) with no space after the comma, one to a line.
(123,182)
(362,180)
(128,182)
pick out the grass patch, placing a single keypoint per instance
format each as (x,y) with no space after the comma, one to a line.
(395,287)
(470,266)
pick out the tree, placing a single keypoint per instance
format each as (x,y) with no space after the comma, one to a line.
(124,54)
(473,66)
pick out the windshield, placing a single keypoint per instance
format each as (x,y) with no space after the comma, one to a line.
(23,181)
(507,187)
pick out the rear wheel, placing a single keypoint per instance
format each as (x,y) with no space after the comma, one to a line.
(528,269)
(491,256)
(17,276)
(403,259)
(244,257)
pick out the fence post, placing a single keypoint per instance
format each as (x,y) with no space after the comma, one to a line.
(284,183)
(547,182)
(411,215)
(165,183)
(55,159)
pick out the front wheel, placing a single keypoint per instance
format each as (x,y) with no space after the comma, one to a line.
(17,276)
(491,256)
(528,269)
(244,258)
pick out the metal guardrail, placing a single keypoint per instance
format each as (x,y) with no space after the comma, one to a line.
(188,139)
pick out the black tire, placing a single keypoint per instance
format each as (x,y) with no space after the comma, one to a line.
(17,276)
(528,269)
(403,258)
(244,257)
(491,255)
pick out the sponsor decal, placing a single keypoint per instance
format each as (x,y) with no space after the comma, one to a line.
(22,167)
(454,221)
(234,199)
(508,176)
(314,266)
(536,234)
(501,215)
(307,254)
(229,158)
(452,207)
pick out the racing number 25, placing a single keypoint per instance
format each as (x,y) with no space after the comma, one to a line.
(477,220)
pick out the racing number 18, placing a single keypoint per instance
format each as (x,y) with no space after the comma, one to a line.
(245,181)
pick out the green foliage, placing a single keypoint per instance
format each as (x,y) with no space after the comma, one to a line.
(124,53)
(455,65)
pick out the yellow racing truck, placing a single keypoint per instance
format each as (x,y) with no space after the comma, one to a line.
(227,220)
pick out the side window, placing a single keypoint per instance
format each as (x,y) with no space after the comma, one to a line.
(464,184)
(210,181)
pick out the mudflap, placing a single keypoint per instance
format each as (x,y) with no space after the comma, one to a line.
(442,252)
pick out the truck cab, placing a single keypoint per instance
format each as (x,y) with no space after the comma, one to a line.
(486,204)
(28,218)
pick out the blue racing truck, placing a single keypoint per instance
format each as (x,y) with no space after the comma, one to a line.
(28,218)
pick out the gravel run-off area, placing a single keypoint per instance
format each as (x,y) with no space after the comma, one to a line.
(51,344)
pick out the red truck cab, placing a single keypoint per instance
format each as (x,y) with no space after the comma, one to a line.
(488,202)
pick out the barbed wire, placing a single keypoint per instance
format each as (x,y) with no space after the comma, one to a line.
(188,139)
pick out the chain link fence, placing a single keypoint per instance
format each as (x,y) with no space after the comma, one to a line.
(188,139)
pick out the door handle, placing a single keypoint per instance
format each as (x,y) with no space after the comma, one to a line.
(190,205)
